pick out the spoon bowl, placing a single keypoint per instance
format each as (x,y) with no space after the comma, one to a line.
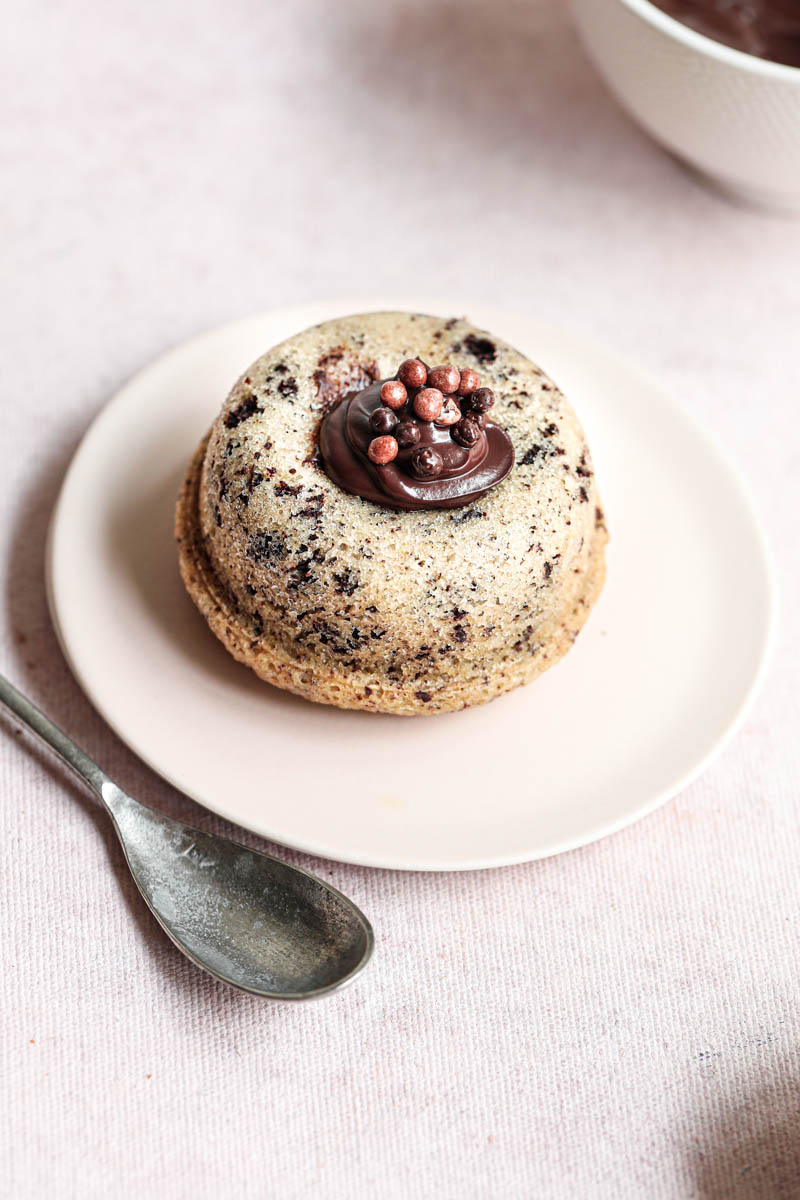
(249,919)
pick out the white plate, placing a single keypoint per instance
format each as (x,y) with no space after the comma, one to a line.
(656,683)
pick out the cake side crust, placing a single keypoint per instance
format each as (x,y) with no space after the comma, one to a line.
(358,689)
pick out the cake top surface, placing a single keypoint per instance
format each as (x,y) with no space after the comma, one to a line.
(268,505)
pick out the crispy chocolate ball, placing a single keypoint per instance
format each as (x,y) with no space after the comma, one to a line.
(450,413)
(382,449)
(480,401)
(446,379)
(407,434)
(413,373)
(470,380)
(394,394)
(428,403)
(383,420)
(426,463)
(466,432)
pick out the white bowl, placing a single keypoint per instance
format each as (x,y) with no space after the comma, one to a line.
(732,116)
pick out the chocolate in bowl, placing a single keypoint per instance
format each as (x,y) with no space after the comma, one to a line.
(731,116)
(768,29)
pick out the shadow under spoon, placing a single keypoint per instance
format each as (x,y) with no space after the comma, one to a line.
(247,918)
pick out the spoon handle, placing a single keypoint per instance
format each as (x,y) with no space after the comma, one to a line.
(56,739)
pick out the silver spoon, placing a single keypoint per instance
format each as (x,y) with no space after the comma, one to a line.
(247,918)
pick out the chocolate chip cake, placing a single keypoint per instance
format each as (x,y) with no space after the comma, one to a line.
(393,512)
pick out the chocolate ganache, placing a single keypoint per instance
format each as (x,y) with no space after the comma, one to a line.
(766,28)
(420,440)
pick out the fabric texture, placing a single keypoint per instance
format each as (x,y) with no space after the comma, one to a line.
(617,1022)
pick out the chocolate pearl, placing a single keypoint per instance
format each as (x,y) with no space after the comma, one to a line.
(450,413)
(426,463)
(394,394)
(382,450)
(383,420)
(466,432)
(470,380)
(407,434)
(412,373)
(480,401)
(428,403)
(446,379)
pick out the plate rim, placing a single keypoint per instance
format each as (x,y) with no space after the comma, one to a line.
(308,314)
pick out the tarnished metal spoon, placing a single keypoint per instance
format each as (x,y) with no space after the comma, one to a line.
(249,919)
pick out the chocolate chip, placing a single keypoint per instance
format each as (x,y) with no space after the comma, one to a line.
(346,582)
(450,414)
(382,450)
(481,348)
(469,514)
(288,387)
(425,697)
(466,432)
(480,401)
(301,575)
(383,420)
(412,373)
(407,434)
(470,380)
(262,547)
(246,409)
(393,393)
(446,379)
(428,403)
(426,462)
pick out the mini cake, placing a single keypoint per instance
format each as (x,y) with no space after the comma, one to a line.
(393,512)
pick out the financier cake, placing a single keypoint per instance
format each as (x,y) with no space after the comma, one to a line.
(393,512)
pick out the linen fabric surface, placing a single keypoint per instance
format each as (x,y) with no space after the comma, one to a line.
(618,1022)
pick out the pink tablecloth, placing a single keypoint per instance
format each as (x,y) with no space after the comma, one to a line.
(618,1022)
